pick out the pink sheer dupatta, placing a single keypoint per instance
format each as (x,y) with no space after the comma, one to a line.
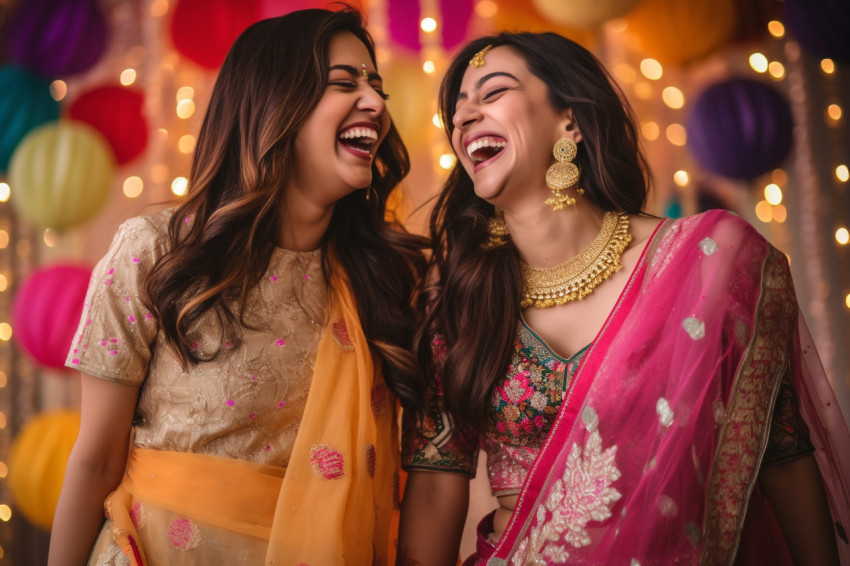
(655,453)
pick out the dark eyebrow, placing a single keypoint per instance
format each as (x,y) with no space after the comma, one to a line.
(354,72)
(485,78)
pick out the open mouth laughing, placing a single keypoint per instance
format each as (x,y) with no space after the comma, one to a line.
(484,148)
(359,139)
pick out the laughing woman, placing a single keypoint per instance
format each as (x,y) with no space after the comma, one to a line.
(646,390)
(249,344)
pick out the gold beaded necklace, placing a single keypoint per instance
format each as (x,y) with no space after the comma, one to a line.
(577,277)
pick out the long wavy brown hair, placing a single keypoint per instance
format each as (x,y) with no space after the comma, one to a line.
(270,82)
(472,299)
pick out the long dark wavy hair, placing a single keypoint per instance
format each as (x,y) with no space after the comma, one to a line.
(270,82)
(472,299)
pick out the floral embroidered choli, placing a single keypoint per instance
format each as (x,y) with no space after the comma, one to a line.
(243,400)
(522,410)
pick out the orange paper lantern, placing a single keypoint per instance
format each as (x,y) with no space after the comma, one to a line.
(519,15)
(679,31)
(37,463)
(583,14)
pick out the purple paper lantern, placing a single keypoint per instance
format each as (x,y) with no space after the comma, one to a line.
(57,39)
(821,26)
(740,129)
(47,310)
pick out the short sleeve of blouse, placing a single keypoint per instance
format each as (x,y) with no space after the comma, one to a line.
(431,441)
(116,332)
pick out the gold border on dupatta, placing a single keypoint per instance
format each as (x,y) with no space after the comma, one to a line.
(743,435)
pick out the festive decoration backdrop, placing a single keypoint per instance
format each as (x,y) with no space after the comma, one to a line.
(734,111)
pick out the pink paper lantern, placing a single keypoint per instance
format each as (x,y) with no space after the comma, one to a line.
(47,311)
(404,17)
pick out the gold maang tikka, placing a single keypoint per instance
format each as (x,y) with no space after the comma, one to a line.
(478,60)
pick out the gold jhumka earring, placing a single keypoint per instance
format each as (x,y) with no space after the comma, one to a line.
(497,229)
(562,174)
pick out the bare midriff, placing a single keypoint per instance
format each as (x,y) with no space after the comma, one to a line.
(503,513)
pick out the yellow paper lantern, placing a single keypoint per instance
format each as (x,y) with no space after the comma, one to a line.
(678,31)
(61,174)
(582,14)
(37,463)
(413,100)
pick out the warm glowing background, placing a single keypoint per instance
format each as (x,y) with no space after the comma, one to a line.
(741,105)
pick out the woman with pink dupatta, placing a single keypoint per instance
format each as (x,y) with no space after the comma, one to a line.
(646,390)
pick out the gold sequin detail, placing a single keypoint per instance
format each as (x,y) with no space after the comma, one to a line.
(579,276)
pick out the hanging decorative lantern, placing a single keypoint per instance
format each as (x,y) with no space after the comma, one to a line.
(116,112)
(740,128)
(37,463)
(47,312)
(56,39)
(680,31)
(583,14)
(411,102)
(25,103)
(61,174)
(204,30)
(520,15)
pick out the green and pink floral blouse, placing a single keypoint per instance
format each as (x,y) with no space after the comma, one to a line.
(522,410)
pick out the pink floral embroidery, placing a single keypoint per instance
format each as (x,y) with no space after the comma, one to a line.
(343,339)
(111,271)
(131,318)
(136,260)
(379,400)
(184,534)
(281,404)
(137,515)
(108,282)
(148,316)
(326,462)
(267,447)
(280,342)
(371,458)
(273,277)
(518,389)
(230,402)
(75,361)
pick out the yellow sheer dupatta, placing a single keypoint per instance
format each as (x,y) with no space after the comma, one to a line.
(340,489)
(335,502)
